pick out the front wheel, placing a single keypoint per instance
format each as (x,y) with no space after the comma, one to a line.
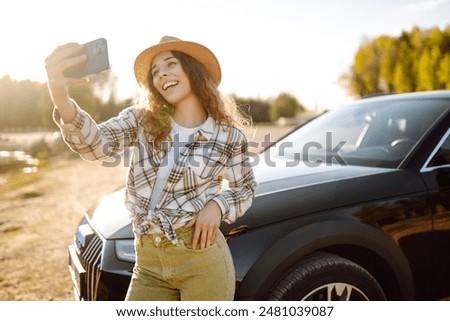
(327,277)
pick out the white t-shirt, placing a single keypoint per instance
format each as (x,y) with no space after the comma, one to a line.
(181,136)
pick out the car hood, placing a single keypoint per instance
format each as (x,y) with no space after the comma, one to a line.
(281,174)
(112,219)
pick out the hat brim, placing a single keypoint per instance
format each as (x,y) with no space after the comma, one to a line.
(197,51)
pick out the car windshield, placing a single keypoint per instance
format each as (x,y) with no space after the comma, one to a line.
(367,133)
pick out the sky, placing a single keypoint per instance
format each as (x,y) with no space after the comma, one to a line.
(265,47)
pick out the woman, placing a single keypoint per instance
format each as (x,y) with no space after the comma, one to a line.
(189,169)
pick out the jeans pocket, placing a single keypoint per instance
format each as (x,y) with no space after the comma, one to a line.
(188,247)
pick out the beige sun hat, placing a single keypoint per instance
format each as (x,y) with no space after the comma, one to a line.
(197,51)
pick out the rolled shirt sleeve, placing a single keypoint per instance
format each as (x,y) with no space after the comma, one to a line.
(94,141)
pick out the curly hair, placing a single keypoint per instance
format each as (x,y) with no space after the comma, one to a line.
(156,116)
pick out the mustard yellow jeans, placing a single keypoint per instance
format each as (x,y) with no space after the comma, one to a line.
(168,272)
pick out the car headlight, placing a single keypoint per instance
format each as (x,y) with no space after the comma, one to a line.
(125,250)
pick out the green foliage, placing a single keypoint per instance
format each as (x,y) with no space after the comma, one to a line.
(285,105)
(22,103)
(414,61)
(26,105)
(444,71)
(257,109)
(270,110)
(403,72)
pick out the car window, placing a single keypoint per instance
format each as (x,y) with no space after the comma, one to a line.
(442,156)
(367,133)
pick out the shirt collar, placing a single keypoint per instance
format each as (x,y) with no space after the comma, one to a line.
(207,130)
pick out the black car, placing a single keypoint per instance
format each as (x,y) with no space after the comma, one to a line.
(353,205)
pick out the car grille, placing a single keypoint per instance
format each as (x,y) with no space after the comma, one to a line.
(90,257)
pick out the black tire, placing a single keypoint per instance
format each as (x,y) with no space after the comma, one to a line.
(327,277)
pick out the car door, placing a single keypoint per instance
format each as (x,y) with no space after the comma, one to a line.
(436,174)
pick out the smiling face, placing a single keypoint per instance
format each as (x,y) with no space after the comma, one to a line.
(169,79)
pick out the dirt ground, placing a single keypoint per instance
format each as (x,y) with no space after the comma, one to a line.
(38,220)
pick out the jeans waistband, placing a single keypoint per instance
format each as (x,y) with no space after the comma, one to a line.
(184,235)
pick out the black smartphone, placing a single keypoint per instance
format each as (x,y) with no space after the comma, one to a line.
(97,60)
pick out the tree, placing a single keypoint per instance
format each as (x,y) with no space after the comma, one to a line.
(416,60)
(23,104)
(366,70)
(388,61)
(26,104)
(285,105)
(98,96)
(403,70)
(444,71)
(257,109)
(427,69)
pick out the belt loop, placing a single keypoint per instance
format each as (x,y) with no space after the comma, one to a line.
(137,240)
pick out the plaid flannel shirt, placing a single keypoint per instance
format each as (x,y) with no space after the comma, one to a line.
(218,155)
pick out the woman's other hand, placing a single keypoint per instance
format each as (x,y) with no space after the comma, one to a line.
(206,224)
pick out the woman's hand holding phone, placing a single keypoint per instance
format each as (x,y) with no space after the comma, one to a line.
(57,62)
(71,64)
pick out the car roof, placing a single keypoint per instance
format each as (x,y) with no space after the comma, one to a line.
(435,94)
